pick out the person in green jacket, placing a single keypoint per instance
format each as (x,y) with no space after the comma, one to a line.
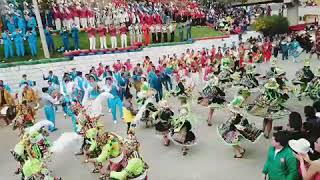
(281,163)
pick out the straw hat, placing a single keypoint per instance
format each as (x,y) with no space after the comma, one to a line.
(300,146)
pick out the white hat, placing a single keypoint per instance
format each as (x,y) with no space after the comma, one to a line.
(300,146)
(164,104)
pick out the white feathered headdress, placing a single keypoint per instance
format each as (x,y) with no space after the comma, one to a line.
(36,127)
(94,108)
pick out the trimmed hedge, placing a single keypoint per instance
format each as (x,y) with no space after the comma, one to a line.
(40,61)
(272,25)
(170,43)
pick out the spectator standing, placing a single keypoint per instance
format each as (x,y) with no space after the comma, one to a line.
(280,164)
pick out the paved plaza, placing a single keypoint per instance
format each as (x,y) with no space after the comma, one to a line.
(209,159)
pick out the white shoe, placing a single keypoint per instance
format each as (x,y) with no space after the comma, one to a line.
(114,122)
(109,110)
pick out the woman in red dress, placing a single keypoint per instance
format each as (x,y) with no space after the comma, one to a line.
(241,54)
(267,51)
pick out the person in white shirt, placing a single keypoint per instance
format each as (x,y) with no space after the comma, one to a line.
(171,30)
(132,34)
(138,32)
(159,33)
(165,33)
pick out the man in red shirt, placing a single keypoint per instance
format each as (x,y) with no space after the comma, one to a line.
(90,15)
(56,16)
(102,35)
(100,70)
(123,32)
(83,17)
(117,66)
(69,17)
(113,35)
(76,13)
(92,38)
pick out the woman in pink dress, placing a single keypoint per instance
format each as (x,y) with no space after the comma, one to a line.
(310,170)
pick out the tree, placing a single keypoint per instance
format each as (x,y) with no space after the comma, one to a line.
(271,25)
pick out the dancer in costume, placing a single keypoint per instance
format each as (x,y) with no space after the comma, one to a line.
(29,95)
(7,108)
(225,71)
(110,150)
(313,88)
(182,133)
(303,77)
(212,96)
(32,152)
(163,118)
(146,103)
(127,168)
(295,49)
(25,117)
(270,105)
(249,79)
(237,129)
(135,169)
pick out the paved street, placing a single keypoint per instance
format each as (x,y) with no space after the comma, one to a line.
(209,159)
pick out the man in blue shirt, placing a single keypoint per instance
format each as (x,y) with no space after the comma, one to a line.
(18,38)
(75,37)
(24,80)
(8,50)
(53,78)
(49,40)
(31,36)
(116,101)
(155,83)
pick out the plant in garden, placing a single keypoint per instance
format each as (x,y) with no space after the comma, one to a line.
(271,25)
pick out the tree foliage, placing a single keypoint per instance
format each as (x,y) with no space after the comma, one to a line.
(271,25)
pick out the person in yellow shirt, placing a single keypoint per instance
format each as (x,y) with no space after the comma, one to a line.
(128,112)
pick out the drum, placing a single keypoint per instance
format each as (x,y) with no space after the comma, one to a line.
(9,112)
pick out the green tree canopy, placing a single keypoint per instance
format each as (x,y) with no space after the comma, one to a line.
(271,25)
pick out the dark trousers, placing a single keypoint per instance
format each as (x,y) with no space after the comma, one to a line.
(159,95)
(172,37)
(181,36)
(165,37)
(154,38)
(159,37)
(285,55)
(275,52)
(167,83)
(188,34)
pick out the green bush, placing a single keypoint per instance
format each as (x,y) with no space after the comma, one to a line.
(271,25)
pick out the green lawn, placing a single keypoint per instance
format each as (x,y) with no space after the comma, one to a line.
(197,32)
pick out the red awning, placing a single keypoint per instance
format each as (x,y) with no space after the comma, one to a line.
(299,27)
